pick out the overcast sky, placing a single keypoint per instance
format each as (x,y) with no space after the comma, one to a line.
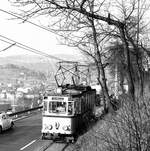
(27,34)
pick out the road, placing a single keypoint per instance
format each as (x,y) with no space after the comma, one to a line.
(25,133)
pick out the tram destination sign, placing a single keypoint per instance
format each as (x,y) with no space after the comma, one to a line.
(57,98)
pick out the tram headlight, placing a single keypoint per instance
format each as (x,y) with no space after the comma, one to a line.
(50,127)
(67,128)
(45,126)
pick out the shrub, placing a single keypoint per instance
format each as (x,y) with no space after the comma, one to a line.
(127,130)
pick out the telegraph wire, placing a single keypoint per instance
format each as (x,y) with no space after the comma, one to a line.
(12,14)
(20,46)
(11,45)
(23,46)
(42,27)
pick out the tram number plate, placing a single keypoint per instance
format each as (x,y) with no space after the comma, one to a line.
(57,98)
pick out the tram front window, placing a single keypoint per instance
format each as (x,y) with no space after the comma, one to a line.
(57,107)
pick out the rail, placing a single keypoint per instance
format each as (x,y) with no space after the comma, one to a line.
(25,111)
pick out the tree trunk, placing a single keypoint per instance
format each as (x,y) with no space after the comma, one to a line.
(122,83)
(129,65)
(138,58)
(101,72)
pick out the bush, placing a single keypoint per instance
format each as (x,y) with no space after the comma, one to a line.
(127,130)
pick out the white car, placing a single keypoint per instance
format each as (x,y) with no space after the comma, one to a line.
(5,122)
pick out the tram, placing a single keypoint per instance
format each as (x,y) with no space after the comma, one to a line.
(66,113)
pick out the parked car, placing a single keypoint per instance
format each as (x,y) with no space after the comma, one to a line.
(9,112)
(5,122)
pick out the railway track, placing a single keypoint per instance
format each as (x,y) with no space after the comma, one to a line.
(53,146)
(48,145)
(44,147)
(64,148)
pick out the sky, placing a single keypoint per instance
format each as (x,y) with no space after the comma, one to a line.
(27,34)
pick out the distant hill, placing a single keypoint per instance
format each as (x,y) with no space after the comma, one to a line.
(36,62)
(11,73)
(32,66)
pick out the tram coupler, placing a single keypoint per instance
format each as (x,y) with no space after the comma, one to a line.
(70,139)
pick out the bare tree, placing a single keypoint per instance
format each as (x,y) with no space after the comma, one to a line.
(117,65)
(89,24)
(85,20)
(128,130)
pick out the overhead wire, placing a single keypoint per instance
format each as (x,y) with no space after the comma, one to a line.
(11,45)
(32,49)
(30,22)
(25,47)
(12,14)
(19,17)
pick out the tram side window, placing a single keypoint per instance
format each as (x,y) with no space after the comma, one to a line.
(91,100)
(70,108)
(44,106)
(82,104)
(78,107)
(87,101)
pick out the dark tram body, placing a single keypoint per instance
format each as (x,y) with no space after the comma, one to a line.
(66,112)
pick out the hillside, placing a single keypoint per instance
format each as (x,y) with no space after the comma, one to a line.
(36,62)
(30,67)
(11,73)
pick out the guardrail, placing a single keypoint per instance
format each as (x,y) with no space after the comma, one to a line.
(25,111)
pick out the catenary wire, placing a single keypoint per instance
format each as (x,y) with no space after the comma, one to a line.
(44,28)
(23,46)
